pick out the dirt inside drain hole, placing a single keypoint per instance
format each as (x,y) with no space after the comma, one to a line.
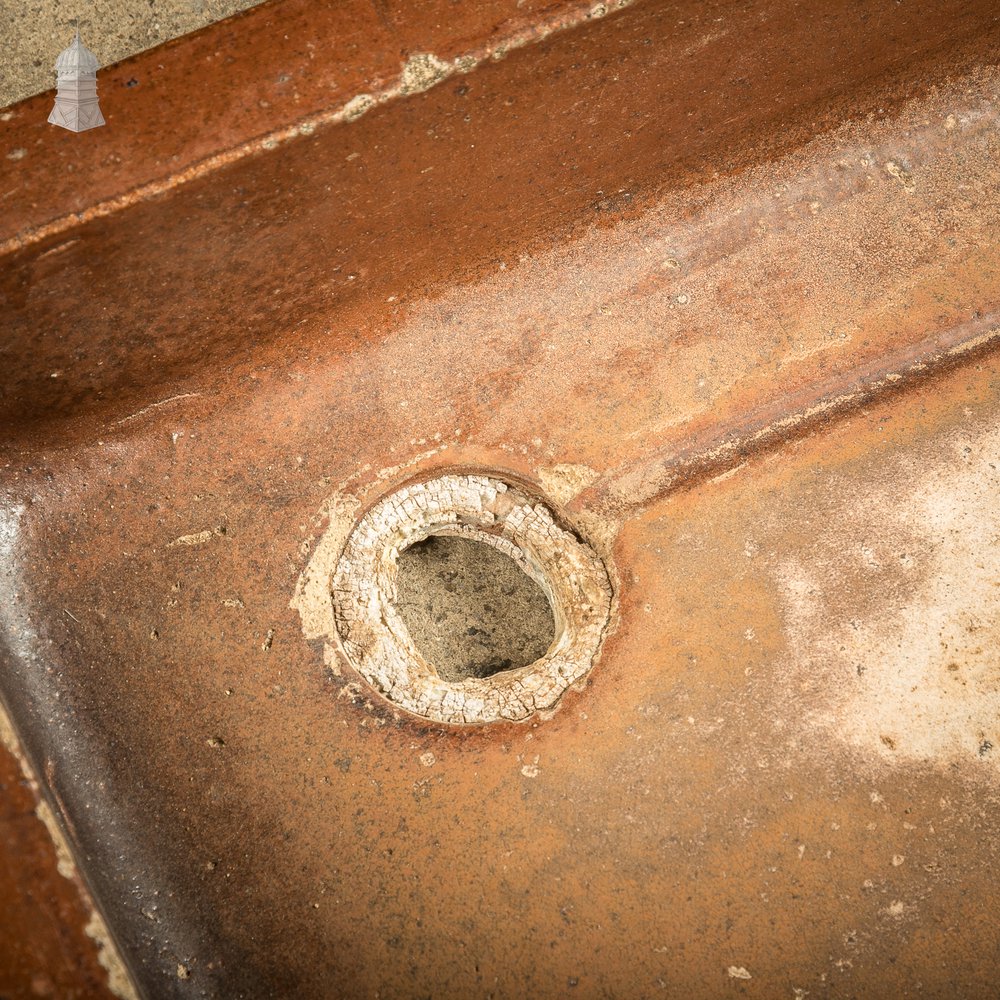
(470,610)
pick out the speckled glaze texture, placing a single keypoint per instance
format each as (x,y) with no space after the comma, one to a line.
(720,283)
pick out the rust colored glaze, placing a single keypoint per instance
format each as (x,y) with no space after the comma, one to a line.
(186,101)
(424,193)
(744,341)
(44,950)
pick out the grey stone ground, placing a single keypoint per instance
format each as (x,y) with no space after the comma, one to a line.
(34,32)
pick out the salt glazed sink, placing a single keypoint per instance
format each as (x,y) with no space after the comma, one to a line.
(689,309)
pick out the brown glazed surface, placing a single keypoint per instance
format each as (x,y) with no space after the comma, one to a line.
(720,281)
(194,97)
(43,949)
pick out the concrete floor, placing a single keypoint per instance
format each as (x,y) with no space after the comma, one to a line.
(34,33)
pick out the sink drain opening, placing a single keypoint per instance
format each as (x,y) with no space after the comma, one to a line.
(471,611)
(425,531)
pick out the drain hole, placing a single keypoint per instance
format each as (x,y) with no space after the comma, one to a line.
(470,635)
(471,611)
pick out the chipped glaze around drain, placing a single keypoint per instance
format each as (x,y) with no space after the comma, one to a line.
(374,639)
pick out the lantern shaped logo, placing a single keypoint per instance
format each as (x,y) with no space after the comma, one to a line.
(76,105)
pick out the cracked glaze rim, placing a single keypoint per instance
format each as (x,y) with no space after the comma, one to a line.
(377,643)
